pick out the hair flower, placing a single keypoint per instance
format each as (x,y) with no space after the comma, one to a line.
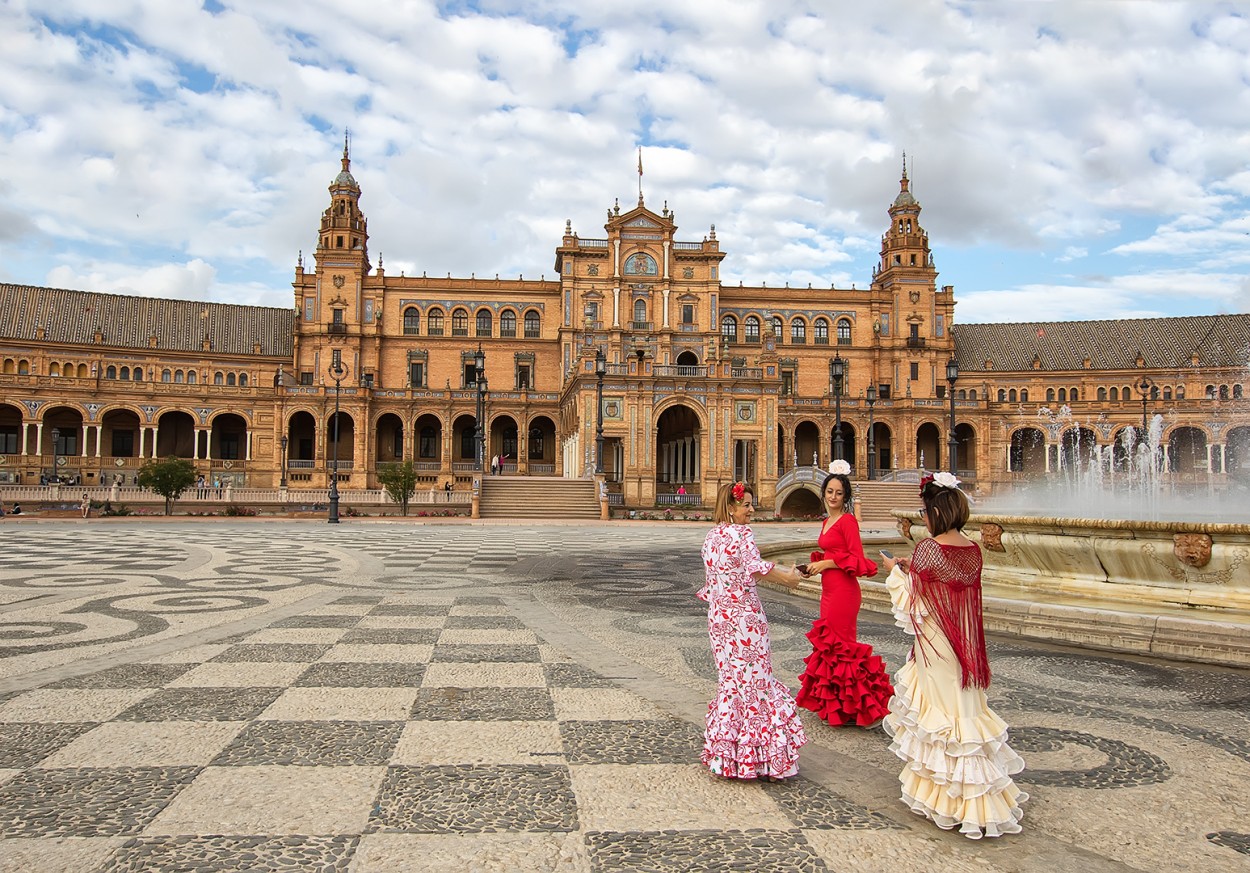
(840,467)
(945,480)
(924,482)
(738,492)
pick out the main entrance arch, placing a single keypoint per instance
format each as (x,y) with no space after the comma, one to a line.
(678,461)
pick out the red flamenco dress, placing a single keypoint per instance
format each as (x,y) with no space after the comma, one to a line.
(844,683)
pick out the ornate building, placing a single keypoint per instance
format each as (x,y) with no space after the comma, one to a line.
(635,345)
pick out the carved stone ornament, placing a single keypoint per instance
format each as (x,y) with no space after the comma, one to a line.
(904,528)
(914,295)
(1193,550)
(992,537)
(338,281)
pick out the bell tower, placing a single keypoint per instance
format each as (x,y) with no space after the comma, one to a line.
(905,246)
(344,234)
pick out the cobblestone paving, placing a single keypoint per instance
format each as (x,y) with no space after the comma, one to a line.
(391,697)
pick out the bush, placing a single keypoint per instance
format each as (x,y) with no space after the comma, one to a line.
(120,509)
(234,509)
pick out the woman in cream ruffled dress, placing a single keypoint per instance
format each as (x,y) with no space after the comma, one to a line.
(958,766)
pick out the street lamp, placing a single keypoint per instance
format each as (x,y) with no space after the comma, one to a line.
(952,375)
(56,472)
(282,481)
(338,372)
(1144,387)
(479,365)
(839,371)
(601,367)
(871,397)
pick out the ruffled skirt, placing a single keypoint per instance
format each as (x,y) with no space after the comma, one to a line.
(753,731)
(845,682)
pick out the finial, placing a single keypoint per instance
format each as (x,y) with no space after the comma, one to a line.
(712,235)
(568,227)
(301,258)
(639,175)
(347,158)
(904,163)
(379,260)
(616,208)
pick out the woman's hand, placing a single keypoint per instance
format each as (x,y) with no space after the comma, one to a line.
(891,563)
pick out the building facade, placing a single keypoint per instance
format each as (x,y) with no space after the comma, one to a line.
(635,359)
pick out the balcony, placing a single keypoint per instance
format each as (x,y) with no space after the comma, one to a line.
(747,372)
(684,371)
(915,342)
(645,326)
(336,328)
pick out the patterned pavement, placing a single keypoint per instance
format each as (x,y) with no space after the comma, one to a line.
(393,697)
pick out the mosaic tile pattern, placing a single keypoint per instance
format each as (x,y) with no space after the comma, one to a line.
(683,851)
(485,704)
(631,742)
(313,744)
(254,854)
(87,802)
(475,799)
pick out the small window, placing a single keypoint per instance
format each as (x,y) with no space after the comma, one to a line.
(640,314)
(1002,394)
(752,329)
(412,321)
(1237,392)
(729,328)
(124,375)
(1115,394)
(1073,395)
(219,379)
(844,331)
(191,377)
(416,374)
(1063,395)
(687,313)
(485,323)
(166,376)
(533,324)
(230,379)
(1167,393)
(523,377)
(798,332)
(820,332)
(1050,395)
(1011,395)
(1223,392)
(460,323)
(1102,393)
(110,372)
(915,372)
(507,323)
(779,329)
(243,380)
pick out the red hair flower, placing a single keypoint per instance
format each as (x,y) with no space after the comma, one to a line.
(925,480)
(738,492)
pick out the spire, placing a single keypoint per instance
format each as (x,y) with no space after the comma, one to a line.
(347,157)
(639,175)
(904,165)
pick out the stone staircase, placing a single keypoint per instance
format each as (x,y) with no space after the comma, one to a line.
(522,497)
(876,499)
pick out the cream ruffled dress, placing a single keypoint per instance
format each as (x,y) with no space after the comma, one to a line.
(957,764)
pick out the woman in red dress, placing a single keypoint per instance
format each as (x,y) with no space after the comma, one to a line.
(844,683)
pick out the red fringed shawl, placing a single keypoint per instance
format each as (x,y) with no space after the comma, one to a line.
(948,580)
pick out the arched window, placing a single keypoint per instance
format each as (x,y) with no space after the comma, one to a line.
(533,324)
(230,379)
(110,372)
(1115,394)
(820,332)
(1063,395)
(218,379)
(507,323)
(844,331)
(640,313)
(1073,395)
(1236,392)
(1210,392)
(779,329)
(243,380)
(1011,395)
(1102,393)
(485,322)
(1154,392)
(729,328)
(798,332)
(459,322)
(752,331)
(124,375)
(434,322)
(166,376)
(1126,393)
(23,368)
(178,377)
(1223,392)
(192,377)
(1167,393)
(54,369)
(138,374)
(1002,395)
(1180,392)
(1050,395)
(412,321)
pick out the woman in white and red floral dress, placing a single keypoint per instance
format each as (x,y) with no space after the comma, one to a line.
(753,727)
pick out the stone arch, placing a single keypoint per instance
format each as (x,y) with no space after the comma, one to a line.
(121,432)
(1027,451)
(388,434)
(1077,448)
(504,438)
(301,431)
(342,449)
(806,451)
(540,441)
(428,445)
(929,447)
(1237,453)
(175,434)
(678,450)
(1187,450)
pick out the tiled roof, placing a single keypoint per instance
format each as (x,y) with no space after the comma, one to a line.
(1165,343)
(130,322)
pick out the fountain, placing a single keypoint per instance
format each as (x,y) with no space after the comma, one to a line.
(1091,537)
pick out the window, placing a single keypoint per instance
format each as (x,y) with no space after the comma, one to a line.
(915,372)
(427,446)
(412,321)
(536,444)
(110,372)
(821,332)
(8,440)
(533,325)
(798,332)
(729,328)
(1074,395)
(883,391)
(507,323)
(137,374)
(1223,392)
(243,380)
(1210,390)
(640,314)
(939,326)
(1180,392)
(885,324)
(469,377)
(779,328)
(1050,395)
(523,379)
(191,377)
(337,317)
(468,449)
(1102,393)
(124,375)
(844,331)
(687,313)
(310,308)
(787,382)
(178,377)
(1167,393)
(460,323)
(1063,395)
(1236,392)
(1011,395)
(752,329)
(941,391)
(228,445)
(416,374)
(54,370)
(230,378)
(1002,394)
(65,442)
(434,322)
(485,323)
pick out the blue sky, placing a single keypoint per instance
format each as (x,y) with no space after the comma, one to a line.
(1074,159)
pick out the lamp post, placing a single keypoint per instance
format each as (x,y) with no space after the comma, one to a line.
(1144,388)
(56,472)
(871,397)
(282,481)
(839,371)
(338,372)
(952,375)
(479,365)
(601,367)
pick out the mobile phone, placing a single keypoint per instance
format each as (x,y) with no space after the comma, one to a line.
(802,568)
(886,554)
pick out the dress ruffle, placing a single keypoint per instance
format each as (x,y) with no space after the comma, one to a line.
(845,682)
(957,762)
(751,735)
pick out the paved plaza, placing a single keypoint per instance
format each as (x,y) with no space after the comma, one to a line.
(380,696)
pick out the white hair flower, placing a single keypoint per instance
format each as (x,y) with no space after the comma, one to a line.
(841,467)
(945,479)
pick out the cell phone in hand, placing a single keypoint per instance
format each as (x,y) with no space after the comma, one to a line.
(887,555)
(802,568)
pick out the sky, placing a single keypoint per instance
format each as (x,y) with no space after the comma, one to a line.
(1074,160)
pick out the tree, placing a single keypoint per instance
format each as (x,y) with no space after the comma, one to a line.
(168,478)
(400,481)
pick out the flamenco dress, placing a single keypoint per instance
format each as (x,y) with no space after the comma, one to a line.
(957,763)
(753,726)
(844,682)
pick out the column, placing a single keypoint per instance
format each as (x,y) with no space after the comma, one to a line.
(99,439)
(616,259)
(616,306)
(39,438)
(664,297)
(195,437)
(667,243)
(26,426)
(247,437)
(83,431)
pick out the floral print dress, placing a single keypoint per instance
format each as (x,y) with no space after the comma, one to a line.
(753,726)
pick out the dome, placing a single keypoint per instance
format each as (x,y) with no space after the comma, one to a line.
(904,198)
(345,178)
